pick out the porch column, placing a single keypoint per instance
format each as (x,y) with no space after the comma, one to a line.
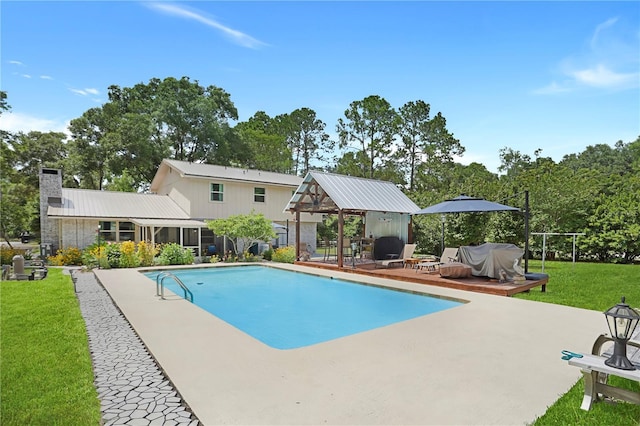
(297,234)
(340,237)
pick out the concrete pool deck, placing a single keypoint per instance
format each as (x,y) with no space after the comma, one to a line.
(494,360)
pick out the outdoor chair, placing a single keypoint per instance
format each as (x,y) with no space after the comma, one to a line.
(449,254)
(406,253)
(330,250)
(347,253)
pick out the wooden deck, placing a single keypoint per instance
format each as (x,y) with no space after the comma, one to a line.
(477,284)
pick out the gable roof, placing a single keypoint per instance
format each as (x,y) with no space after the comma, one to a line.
(86,203)
(222,173)
(327,193)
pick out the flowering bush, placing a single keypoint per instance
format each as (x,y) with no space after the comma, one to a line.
(128,255)
(146,253)
(6,255)
(66,256)
(284,255)
(95,255)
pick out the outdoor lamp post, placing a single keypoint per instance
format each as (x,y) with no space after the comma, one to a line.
(622,320)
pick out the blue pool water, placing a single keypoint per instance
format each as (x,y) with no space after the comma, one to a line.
(288,310)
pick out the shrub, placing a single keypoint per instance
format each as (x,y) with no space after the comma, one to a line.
(6,255)
(113,254)
(250,257)
(66,256)
(128,256)
(267,254)
(95,255)
(146,253)
(284,255)
(175,254)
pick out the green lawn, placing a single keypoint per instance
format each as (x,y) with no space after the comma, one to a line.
(45,365)
(598,287)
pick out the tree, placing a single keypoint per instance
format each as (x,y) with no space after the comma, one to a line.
(371,124)
(170,118)
(89,148)
(267,146)
(305,137)
(4,104)
(243,230)
(37,149)
(614,227)
(426,144)
(22,156)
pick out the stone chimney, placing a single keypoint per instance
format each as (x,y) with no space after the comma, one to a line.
(50,194)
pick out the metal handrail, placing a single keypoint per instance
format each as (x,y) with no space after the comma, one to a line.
(160,285)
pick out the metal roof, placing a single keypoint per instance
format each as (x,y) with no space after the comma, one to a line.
(87,203)
(212,171)
(326,192)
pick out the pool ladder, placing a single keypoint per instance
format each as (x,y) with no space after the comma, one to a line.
(160,285)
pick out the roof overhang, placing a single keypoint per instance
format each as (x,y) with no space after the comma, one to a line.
(173,223)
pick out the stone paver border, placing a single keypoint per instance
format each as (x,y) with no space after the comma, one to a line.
(132,388)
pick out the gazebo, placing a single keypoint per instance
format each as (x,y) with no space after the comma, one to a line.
(380,202)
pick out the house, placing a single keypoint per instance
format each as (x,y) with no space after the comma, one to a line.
(182,196)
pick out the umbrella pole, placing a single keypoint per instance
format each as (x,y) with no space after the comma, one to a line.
(526,232)
(442,241)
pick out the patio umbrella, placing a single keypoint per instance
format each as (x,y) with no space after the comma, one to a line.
(466,204)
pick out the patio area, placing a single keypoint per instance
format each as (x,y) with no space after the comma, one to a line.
(476,284)
(493,360)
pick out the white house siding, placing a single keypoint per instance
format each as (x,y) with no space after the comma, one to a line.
(193,195)
(379,224)
(307,235)
(77,232)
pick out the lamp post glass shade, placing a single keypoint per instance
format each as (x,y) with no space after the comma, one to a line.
(622,321)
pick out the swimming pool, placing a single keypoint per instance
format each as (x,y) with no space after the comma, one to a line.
(288,310)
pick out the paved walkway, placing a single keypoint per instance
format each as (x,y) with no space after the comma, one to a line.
(491,361)
(131,387)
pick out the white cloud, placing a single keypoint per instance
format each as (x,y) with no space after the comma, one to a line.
(16,122)
(610,62)
(25,75)
(85,92)
(602,76)
(46,77)
(599,29)
(16,63)
(236,36)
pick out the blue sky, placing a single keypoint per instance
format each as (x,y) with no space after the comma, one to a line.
(558,76)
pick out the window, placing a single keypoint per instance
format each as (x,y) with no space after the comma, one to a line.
(107,231)
(126,231)
(259,195)
(117,231)
(190,237)
(217,190)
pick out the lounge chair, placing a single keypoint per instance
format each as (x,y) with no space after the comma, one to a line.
(449,254)
(406,253)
